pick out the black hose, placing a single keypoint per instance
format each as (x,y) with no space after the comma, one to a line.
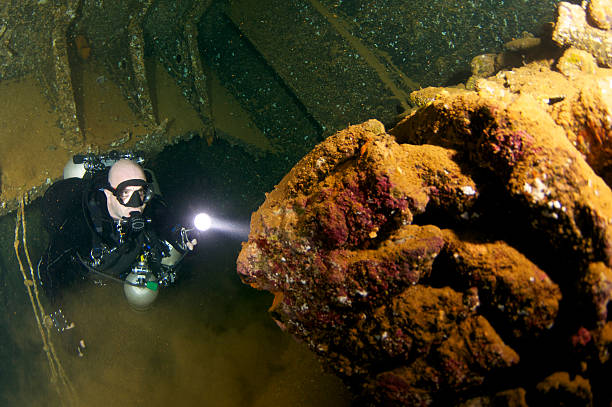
(103,274)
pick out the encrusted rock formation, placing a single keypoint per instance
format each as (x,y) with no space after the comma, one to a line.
(462,258)
(588,29)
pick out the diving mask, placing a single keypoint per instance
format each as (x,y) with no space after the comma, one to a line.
(132,197)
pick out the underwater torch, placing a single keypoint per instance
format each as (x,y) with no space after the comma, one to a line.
(201,222)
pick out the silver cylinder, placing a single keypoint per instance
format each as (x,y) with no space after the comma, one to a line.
(140,298)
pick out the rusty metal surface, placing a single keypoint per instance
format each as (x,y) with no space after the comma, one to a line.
(39,37)
(34,40)
(176,46)
(114,31)
(336,77)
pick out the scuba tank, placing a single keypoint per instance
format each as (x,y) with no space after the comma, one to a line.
(140,287)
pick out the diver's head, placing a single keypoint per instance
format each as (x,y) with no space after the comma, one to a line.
(127,189)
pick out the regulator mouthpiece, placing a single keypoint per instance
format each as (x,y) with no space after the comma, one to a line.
(202,222)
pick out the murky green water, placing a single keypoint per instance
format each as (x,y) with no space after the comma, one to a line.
(207,342)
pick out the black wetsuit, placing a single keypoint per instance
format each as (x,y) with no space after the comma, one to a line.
(81,229)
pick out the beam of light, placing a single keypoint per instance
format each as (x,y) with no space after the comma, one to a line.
(236,229)
(203,222)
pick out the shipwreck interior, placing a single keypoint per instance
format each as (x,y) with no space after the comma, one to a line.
(223,97)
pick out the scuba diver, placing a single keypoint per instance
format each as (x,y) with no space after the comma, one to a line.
(109,222)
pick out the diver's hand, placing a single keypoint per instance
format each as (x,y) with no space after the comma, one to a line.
(191,245)
(70,337)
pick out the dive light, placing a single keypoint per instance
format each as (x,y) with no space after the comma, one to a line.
(202,222)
